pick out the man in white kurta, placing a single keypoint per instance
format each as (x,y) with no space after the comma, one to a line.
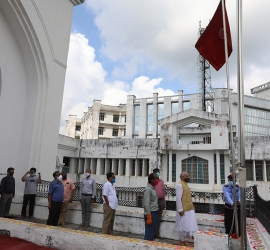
(186,223)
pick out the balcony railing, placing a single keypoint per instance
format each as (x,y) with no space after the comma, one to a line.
(194,139)
(205,202)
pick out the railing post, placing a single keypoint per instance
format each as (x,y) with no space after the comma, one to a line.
(255,193)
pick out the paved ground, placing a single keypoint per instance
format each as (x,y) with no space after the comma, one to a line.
(98,230)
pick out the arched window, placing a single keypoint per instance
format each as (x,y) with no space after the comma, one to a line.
(197,168)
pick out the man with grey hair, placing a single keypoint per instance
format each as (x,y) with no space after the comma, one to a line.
(186,223)
(87,196)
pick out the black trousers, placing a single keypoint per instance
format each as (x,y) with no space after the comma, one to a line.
(54,213)
(228,219)
(31,199)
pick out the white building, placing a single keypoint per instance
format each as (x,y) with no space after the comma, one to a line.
(34,46)
(172,133)
(99,122)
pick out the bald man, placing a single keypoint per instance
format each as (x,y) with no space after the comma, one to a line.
(186,223)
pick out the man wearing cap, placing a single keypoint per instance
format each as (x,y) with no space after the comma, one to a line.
(55,199)
(228,198)
(30,189)
(186,223)
(69,188)
(7,193)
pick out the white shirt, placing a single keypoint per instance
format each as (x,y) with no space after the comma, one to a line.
(109,191)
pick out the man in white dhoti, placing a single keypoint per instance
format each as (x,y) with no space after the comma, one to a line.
(186,223)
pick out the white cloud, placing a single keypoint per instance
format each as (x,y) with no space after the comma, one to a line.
(86,81)
(160,35)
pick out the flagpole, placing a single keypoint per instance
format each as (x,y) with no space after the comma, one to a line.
(240,84)
(230,116)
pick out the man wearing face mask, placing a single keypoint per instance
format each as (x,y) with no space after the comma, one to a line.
(55,199)
(110,203)
(186,223)
(228,198)
(87,196)
(69,188)
(160,190)
(31,181)
(7,193)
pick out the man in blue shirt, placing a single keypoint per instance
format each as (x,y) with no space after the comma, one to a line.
(228,198)
(55,199)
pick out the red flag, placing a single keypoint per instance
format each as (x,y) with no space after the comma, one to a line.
(211,43)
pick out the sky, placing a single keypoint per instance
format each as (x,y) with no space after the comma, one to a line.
(137,47)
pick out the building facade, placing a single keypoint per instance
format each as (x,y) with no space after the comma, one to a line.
(178,136)
(99,122)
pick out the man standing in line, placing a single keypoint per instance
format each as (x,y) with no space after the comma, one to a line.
(87,196)
(30,190)
(228,198)
(7,193)
(150,204)
(160,190)
(55,199)
(110,203)
(69,188)
(186,223)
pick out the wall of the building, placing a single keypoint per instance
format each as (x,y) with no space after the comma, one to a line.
(34,46)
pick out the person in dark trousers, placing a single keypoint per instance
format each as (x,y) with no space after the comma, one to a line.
(55,199)
(228,198)
(7,193)
(150,203)
(31,181)
(160,190)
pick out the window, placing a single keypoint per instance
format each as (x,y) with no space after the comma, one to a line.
(197,169)
(101,116)
(124,166)
(116,118)
(100,131)
(257,122)
(136,119)
(78,128)
(117,167)
(160,113)
(259,170)
(124,132)
(150,118)
(173,167)
(125,118)
(147,167)
(115,132)
(140,167)
(133,167)
(186,106)
(267,170)
(249,170)
(174,108)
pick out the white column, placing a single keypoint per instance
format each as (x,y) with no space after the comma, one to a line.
(170,166)
(254,170)
(264,172)
(218,167)
(120,170)
(164,167)
(98,168)
(144,172)
(74,162)
(128,163)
